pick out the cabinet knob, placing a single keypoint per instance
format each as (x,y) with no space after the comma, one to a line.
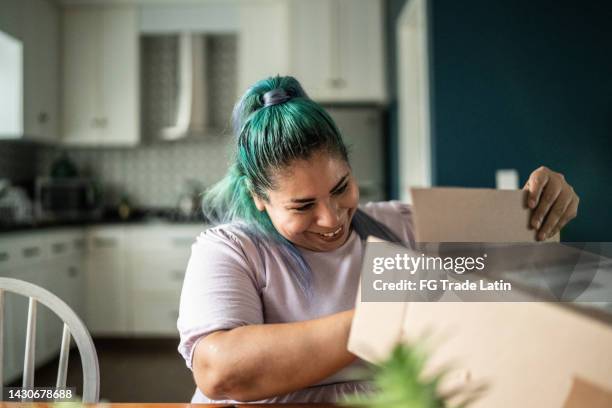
(58,247)
(182,241)
(43,117)
(99,122)
(102,242)
(337,83)
(73,272)
(31,252)
(177,275)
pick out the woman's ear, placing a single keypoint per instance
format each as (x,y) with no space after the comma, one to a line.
(258,202)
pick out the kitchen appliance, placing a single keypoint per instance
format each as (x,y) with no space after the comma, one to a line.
(363,130)
(67,199)
(15,205)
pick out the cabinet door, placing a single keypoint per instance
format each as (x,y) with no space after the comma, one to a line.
(264,41)
(41,70)
(107,286)
(311,56)
(82,104)
(157,271)
(361,51)
(119,79)
(101,85)
(337,49)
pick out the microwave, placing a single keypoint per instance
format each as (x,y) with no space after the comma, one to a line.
(67,199)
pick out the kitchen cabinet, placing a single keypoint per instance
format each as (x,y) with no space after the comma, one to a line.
(337,49)
(36,24)
(141,268)
(263,47)
(41,71)
(157,270)
(39,258)
(101,76)
(107,284)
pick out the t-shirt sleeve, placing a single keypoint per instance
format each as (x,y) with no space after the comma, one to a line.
(220,290)
(397,216)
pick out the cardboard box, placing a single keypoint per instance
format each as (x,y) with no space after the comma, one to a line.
(533,354)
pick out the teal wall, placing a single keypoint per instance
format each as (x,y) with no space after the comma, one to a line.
(518,84)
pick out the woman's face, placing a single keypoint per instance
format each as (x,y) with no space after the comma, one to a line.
(313,202)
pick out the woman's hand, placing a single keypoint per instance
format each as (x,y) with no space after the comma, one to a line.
(553,201)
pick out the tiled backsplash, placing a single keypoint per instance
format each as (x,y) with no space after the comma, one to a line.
(16,160)
(150,176)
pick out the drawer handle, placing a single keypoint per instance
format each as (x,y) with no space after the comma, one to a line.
(182,241)
(105,242)
(31,252)
(177,275)
(4,256)
(73,272)
(58,247)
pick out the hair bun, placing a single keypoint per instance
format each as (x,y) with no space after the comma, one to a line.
(275,96)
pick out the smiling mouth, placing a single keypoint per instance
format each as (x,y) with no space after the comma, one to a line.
(332,234)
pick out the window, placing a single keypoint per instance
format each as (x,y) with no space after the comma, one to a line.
(11,87)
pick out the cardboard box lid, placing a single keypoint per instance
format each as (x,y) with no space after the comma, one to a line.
(471,215)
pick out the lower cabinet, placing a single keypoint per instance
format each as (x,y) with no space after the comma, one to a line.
(134,278)
(51,259)
(107,284)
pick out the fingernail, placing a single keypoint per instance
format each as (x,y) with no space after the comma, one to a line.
(531,203)
(537,224)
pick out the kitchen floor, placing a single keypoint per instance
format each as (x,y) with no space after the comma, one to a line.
(131,370)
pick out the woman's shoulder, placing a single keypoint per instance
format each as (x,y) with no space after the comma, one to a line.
(232,235)
(387,210)
(395,215)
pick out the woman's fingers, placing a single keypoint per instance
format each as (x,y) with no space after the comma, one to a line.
(535,185)
(547,199)
(555,215)
(570,214)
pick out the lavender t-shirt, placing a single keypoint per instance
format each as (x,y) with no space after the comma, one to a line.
(230,282)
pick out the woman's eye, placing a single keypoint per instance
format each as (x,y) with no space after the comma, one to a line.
(341,190)
(304,207)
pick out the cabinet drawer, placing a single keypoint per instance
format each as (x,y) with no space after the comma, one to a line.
(155,315)
(158,271)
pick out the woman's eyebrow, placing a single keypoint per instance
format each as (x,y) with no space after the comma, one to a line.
(334,188)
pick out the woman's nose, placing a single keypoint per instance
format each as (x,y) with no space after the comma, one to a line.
(329,216)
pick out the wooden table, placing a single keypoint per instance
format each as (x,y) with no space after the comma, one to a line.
(155,405)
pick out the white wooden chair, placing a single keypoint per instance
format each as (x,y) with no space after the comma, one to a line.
(72,326)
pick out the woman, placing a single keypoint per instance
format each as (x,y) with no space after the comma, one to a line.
(267,300)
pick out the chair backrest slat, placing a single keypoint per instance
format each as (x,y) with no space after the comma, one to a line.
(30,347)
(62,367)
(74,328)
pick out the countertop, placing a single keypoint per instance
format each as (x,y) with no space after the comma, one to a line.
(138,217)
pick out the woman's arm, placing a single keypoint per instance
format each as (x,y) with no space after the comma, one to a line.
(260,361)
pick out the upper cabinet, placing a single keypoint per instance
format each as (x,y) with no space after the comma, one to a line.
(336,49)
(34,23)
(100,76)
(333,47)
(41,71)
(263,48)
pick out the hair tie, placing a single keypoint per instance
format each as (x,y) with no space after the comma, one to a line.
(275,96)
